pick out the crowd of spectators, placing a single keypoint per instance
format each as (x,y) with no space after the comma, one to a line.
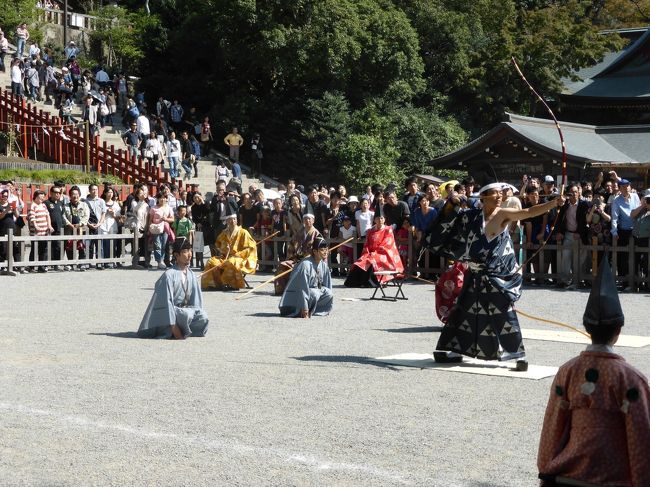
(34,76)
(605,212)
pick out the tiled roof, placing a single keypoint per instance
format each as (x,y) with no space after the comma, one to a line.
(584,143)
(621,74)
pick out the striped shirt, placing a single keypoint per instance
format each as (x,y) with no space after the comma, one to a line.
(39,219)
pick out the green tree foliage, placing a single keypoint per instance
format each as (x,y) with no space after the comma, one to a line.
(13,13)
(123,39)
(388,83)
(422,135)
(328,124)
(368,159)
(468,44)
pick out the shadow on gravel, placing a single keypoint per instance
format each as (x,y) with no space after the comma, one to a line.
(344,359)
(263,314)
(415,329)
(119,334)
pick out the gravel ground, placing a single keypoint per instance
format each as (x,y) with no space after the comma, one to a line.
(262,400)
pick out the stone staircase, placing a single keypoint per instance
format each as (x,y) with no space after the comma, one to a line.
(111,134)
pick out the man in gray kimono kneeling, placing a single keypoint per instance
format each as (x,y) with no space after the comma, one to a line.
(176,308)
(309,291)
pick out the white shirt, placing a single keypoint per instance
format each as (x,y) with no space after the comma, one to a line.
(347,233)
(222,173)
(154,146)
(16,74)
(364,221)
(110,223)
(174,148)
(143,125)
(172,201)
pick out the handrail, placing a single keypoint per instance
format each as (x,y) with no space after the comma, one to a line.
(75,19)
(66,144)
(16,246)
(270,254)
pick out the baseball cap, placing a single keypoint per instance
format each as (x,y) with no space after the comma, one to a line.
(353,199)
(549,179)
(623,182)
(511,187)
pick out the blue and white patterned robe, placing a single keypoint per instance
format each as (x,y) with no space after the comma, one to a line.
(482,323)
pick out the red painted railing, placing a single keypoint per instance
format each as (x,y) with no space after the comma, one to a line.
(66,144)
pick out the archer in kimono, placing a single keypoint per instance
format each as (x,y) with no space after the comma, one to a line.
(176,308)
(309,290)
(236,256)
(483,323)
(597,424)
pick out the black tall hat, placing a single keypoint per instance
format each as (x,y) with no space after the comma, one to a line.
(603,306)
(319,243)
(180,244)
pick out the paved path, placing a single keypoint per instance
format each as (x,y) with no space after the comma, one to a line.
(262,400)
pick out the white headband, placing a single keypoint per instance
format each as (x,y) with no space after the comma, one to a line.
(490,186)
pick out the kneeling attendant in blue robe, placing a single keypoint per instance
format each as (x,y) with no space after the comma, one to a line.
(309,291)
(176,308)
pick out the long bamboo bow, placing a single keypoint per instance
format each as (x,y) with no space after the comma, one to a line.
(564,157)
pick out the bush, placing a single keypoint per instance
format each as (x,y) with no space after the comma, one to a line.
(51,175)
(368,159)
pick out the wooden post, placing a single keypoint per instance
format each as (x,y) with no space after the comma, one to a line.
(575,256)
(10,254)
(96,162)
(25,153)
(631,271)
(87,144)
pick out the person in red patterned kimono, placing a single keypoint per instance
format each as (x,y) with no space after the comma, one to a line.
(597,424)
(379,254)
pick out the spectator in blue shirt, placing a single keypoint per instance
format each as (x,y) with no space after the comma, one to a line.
(622,223)
(422,217)
(236,169)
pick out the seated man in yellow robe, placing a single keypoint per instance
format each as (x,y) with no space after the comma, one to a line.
(236,256)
